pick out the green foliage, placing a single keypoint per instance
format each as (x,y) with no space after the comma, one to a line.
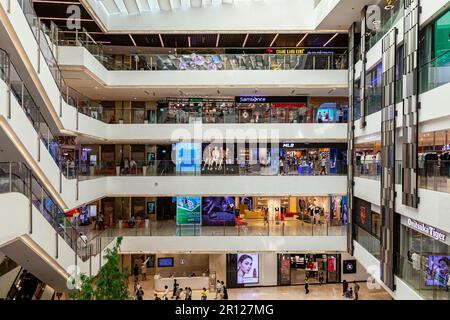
(109,284)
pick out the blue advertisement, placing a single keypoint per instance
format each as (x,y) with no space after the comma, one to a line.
(188,157)
(218,211)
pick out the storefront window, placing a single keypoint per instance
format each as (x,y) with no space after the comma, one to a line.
(424,263)
(254,112)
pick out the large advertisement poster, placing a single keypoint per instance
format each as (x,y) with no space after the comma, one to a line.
(247,268)
(188,210)
(438,271)
(218,211)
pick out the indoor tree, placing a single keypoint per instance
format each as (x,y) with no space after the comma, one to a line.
(109,284)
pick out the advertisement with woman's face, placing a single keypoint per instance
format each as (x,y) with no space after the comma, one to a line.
(247,268)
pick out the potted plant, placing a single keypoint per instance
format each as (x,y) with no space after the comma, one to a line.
(120,222)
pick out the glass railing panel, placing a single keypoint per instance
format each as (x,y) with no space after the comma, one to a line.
(435,73)
(368,241)
(369,169)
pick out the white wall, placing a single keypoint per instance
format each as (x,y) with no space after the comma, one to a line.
(233,244)
(361,273)
(43,242)
(225,185)
(218,264)
(367,189)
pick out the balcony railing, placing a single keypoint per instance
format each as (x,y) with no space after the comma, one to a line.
(19,91)
(208,115)
(231,167)
(435,73)
(17,177)
(368,241)
(302,225)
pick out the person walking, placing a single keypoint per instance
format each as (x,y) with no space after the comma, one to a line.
(204,294)
(156,297)
(356,291)
(306,285)
(101,224)
(166,293)
(139,293)
(136,272)
(144,271)
(189,295)
(174,289)
(224,292)
(218,290)
(344,287)
(321,279)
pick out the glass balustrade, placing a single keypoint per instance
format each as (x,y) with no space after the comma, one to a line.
(17,177)
(235,167)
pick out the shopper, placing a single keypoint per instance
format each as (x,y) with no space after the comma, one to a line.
(189,294)
(101,224)
(174,288)
(139,293)
(218,290)
(144,271)
(204,294)
(306,285)
(224,292)
(340,115)
(356,291)
(166,293)
(321,278)
(180,293)
(136,272)
(186,293)
(156,297)
(344,287)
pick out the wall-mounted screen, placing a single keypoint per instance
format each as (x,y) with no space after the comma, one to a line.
(188,210)
(247,268)
(165,262)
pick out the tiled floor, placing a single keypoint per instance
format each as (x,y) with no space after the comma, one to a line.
(316,292)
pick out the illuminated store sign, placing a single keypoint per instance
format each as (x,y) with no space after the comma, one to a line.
(252,99)
(427,230)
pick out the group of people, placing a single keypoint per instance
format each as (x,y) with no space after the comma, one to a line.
(128,166)
(349,292)
(304,165)
(177,292)
(368,163)
(221,291)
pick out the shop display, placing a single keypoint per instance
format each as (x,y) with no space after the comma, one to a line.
(151,207)
(218,211)
(247,268)
(188,210)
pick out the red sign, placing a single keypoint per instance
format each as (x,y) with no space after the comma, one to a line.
(332,264)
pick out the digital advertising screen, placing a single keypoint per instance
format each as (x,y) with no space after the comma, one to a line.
(189,210)
(188,157)
(247,268)
(438,271)
(218,211)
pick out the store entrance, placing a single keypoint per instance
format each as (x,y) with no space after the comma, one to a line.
(319,268)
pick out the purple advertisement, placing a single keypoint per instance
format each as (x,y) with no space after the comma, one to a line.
(438,271)
(218,211)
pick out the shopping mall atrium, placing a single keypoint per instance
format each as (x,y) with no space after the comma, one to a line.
(248,149)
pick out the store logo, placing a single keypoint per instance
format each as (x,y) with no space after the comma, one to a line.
(427,230)
(288,145)
(252,99)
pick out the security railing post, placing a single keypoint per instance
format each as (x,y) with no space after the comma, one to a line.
(10,177)
(38,45)
(30,201)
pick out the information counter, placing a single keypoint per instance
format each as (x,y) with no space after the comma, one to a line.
(195,283)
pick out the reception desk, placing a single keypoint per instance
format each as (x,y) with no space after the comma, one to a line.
(195,283)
